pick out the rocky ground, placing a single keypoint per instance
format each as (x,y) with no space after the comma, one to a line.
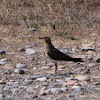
(27,74)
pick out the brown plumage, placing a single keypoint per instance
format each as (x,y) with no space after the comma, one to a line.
(57,55)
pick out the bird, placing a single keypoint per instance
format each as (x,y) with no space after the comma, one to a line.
(57,55)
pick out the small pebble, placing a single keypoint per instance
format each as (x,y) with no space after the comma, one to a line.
(30,51)
(20,65)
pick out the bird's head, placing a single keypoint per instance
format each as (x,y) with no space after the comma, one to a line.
(46,39)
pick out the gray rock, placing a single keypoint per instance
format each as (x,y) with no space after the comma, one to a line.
(34,77)
(87,49)
(42,79)
(2,52)
(76,88)
(19,71)
(3,63)
(92,65)
(30,51)
(97,82)
(90,58)
(28,81)
(53,91)
(19,65)
(2,96)
(3,60)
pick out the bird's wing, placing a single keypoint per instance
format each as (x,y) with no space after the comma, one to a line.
(58,55)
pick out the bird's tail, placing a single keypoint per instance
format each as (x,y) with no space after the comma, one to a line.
(78,60)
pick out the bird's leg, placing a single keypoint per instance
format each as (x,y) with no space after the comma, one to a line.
(55,68)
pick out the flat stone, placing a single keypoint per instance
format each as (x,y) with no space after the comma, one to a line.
(97,82)
(3,60)
(69,83)
(28,81)
(3,63)
(87,49)
(82,77)
(42,79)
(19,65)
(92,65)
(30,51)
(53,91)
(76,88)
(8,67)
(34,77)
